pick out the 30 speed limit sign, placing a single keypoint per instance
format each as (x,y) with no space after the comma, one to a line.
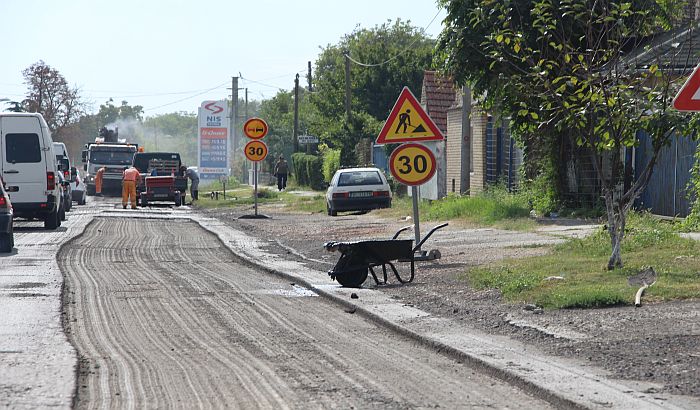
(255,151)
(412,164)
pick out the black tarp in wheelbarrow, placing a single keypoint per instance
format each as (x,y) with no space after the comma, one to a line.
(358,258)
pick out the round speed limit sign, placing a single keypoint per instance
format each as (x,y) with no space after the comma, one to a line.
(412,164)
(255,150)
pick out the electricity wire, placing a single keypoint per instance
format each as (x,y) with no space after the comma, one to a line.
(186,98)
(397,55)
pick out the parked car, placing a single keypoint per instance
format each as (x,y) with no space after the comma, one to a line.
(79,190)
(357,189)
(7,239)
(28,165)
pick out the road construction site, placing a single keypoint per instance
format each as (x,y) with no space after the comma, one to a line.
(166,307)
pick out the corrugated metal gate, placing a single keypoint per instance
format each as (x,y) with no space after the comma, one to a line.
(666,193)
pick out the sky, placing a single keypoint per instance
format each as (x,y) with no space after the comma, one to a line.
(170,55)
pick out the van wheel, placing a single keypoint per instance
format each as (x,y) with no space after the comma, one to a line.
(6,242)
(52,221)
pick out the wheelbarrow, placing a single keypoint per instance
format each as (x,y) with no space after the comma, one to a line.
(359,258)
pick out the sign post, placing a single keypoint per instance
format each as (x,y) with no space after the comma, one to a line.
(411,163)
(255,151)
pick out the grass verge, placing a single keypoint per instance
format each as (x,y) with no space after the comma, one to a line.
(586,283)
(495,208)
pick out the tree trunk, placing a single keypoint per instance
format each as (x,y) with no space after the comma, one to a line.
(616,228)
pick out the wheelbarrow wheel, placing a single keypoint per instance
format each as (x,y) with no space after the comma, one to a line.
(353,278)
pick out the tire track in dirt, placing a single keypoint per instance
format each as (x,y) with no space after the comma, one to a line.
(164,316)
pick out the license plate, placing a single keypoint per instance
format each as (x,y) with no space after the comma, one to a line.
(360,194)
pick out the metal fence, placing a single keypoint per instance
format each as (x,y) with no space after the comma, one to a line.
(667,192)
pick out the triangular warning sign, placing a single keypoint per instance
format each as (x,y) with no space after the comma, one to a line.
(688,98)
(408,122)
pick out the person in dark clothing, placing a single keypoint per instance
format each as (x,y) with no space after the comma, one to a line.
(281,171)
(194,177)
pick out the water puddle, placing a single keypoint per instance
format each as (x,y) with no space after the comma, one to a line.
(294,292)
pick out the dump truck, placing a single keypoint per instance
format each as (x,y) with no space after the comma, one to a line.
(113,154)
(161,178)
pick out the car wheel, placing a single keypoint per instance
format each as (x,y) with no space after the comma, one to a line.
(178,198)
(52,220)
(90,190)
(61,215)
(69,205)
(144,200)
(81,201)
(6,242)
(328,209)
(333,212)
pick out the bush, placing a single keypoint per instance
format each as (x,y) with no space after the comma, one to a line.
(331,163)
(308,170)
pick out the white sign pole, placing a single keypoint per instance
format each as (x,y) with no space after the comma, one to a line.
(255,183)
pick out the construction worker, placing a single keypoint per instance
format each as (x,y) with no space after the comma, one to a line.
(194,177)
(131,177)
(98,181)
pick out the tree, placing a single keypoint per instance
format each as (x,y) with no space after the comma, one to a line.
(397,53)
(50,95)
(560,68)
(110,113)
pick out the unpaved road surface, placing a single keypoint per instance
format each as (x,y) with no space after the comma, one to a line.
(163,316)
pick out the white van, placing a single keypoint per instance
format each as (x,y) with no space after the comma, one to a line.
(28,165)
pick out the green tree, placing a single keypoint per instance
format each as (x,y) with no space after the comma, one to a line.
(50,95)
(174,132)
(397,55)
(559,68)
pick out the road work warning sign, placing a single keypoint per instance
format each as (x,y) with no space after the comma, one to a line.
(408,122)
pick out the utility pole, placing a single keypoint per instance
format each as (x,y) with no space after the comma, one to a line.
(308,77)
(296,113)
(347,87)
(246,104)
(234,116)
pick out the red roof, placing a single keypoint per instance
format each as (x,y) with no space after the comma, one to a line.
(437,96)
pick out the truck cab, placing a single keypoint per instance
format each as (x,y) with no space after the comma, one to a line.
(113,156)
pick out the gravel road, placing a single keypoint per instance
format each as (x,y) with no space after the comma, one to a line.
(658,343)
(163,316)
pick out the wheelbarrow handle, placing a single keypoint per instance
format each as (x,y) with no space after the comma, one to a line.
(425,238)
(396,235)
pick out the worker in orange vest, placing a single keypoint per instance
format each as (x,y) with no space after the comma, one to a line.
(131,177)
(98,181)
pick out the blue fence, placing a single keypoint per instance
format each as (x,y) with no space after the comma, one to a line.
(502,156)
(666,193)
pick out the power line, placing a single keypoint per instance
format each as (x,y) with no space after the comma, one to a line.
(397,55)
(186,98)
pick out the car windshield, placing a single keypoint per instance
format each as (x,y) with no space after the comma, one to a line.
(354,178)
(111,157)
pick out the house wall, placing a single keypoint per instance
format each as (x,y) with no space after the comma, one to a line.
(454,150)
(479,122)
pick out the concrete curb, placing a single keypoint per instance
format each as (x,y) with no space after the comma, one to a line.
(564,383)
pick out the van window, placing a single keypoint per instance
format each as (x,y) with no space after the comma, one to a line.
(22,148)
